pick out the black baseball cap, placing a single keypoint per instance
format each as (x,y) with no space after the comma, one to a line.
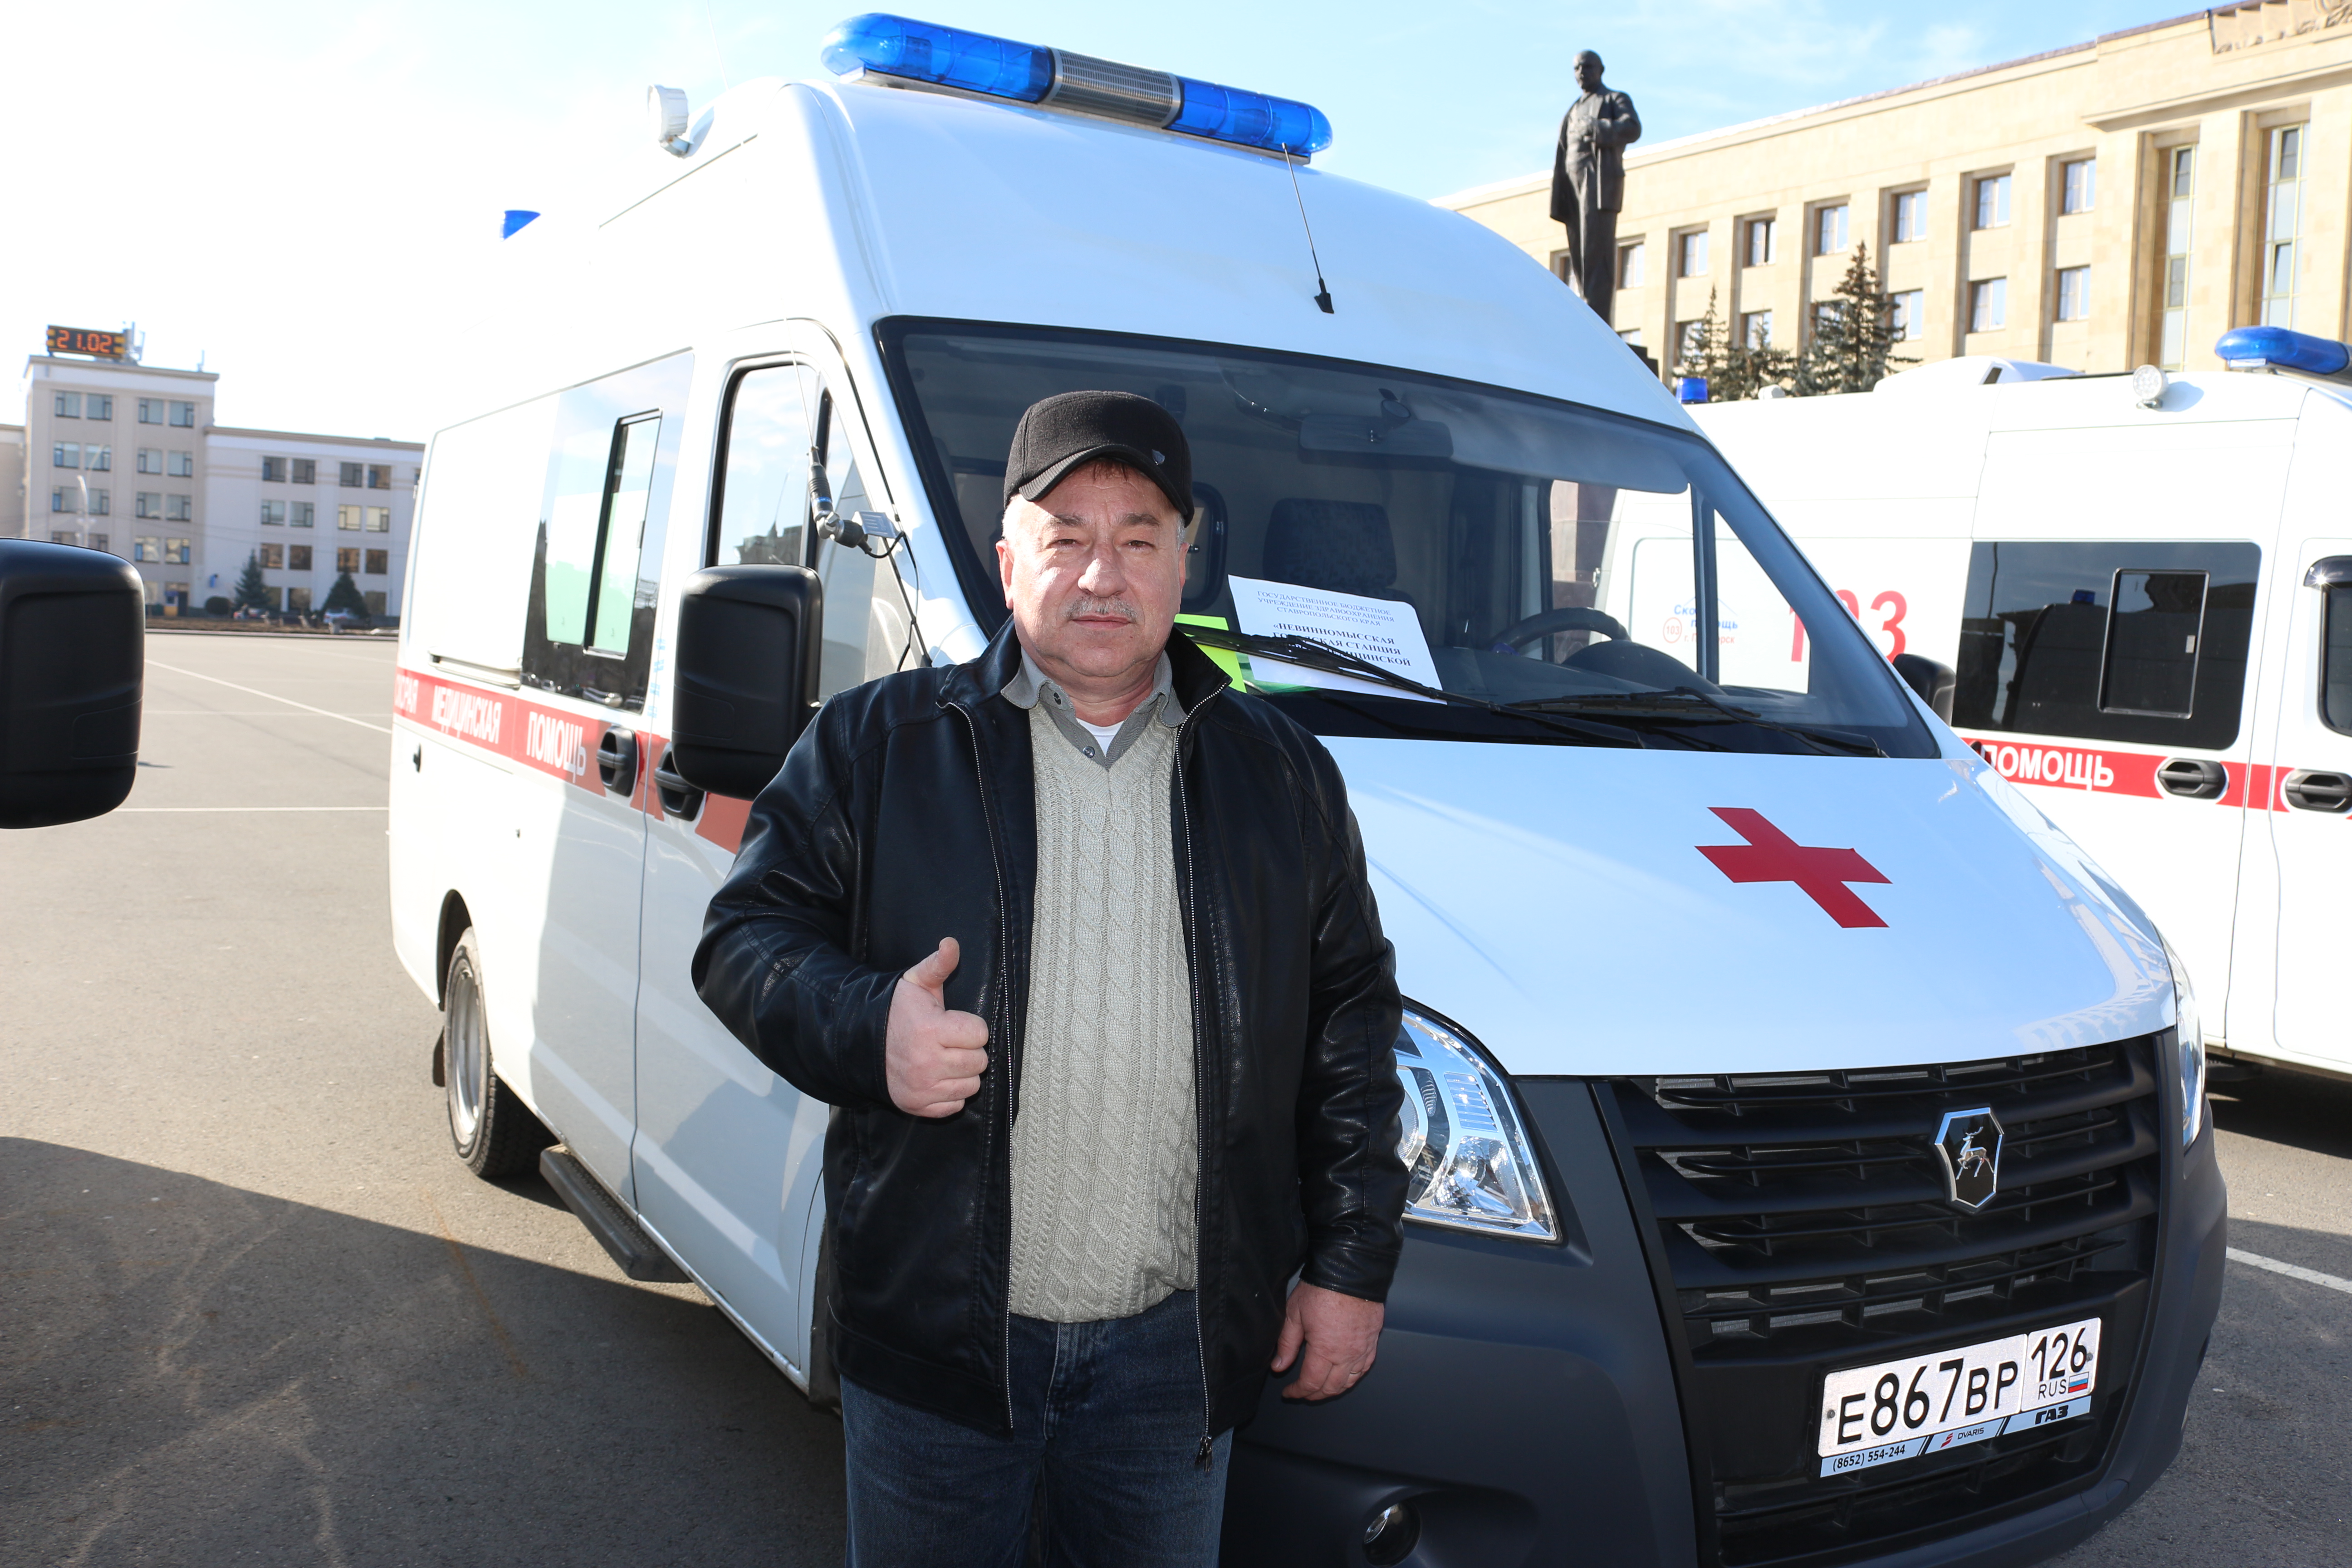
(1066,432)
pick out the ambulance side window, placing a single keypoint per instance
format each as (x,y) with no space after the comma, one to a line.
(2133,642)
(588,630)
(760,516)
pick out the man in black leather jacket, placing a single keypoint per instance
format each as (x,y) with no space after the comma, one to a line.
(874,946)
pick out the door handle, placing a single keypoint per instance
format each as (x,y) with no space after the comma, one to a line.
(679,798)
(2193,778)
(2311,789)
(617,761)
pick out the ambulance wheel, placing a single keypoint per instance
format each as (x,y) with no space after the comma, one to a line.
(495,1132)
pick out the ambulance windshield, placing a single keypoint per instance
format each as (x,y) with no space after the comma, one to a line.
(1578,576)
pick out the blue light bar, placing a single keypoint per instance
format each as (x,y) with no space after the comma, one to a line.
(2267,348)
(512,219)
(924,52)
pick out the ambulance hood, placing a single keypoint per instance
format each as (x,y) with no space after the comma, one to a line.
(1557,902)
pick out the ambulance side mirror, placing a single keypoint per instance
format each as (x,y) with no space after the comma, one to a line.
(73,627)
(749,642)
(1932,681)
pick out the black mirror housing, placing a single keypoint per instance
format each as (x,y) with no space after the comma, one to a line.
(73,627)
(1934,682)
(749,642)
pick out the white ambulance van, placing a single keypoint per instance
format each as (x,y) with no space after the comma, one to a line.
(1807,1164)
(2134,590)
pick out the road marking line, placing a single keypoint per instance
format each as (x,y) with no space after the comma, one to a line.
(272,695)
(121,809)
(2292,1271)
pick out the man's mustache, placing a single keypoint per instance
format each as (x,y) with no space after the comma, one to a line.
(1086,607)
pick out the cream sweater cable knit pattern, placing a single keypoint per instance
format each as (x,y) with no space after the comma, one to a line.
(1104,1145)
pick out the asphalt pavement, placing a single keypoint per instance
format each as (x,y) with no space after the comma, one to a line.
(253,1311)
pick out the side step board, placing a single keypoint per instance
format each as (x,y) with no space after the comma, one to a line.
(606,1220)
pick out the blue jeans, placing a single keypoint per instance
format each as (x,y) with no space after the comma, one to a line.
(1106,1425)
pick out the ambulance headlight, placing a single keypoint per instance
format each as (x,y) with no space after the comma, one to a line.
(1466,1158)
(2188,1028)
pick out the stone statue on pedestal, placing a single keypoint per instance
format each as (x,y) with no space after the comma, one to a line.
(1588,182)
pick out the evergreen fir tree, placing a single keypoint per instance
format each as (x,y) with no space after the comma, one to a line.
(345,596)
(1853,343)
(253,593)
(1733,370)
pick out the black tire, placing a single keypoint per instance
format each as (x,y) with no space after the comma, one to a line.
(494,1131)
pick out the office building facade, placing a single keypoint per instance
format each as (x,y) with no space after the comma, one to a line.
(2116,203)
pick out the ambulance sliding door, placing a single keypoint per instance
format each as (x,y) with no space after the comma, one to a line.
(587,651)
(2310,827)
(728,1156)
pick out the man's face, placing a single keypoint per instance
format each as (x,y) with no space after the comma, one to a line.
(1094,573)
(1588,72)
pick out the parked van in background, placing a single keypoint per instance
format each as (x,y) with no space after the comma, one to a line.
(2139,588)
(1806,1165)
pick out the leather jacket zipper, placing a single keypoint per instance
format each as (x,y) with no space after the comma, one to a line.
(1004,1031)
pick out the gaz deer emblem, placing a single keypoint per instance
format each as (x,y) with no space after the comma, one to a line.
(1968,1143)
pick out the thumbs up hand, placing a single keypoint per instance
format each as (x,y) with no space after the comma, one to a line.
(933,1057)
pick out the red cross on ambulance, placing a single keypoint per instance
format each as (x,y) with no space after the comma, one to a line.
(1771,856)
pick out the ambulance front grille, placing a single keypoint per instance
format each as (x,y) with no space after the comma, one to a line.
(1800,1222)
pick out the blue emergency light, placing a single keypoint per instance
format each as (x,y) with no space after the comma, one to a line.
(927,53)
(2276,348)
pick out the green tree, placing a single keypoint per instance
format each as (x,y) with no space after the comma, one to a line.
(345,596)
(253,593)
(1853,343)
(1733,370)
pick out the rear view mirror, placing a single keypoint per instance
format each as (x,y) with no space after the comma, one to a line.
(749,639)
(1932,681)
(72,658)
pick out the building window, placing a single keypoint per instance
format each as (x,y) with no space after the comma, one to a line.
(97,541)
(273,471)
(2074,294)
(1686,341)
(183,465)
(183,414)
(2172,335)
(151,411)
(347,518)
(1826,312)
(379,561)
(69,406)
(147,503)
(297,558)
(151,459)
(2282,227)
(273,513)
(1907,315)
(1988,305)
(1829,229)
(1992,201)
(374,601)
(1756,329)
(379,519)
(146,547)
(379,475)
(302,514)
(273,557)
(298,600)
(1631,260)
(1690,260)
(99,505)
(1631,336)
(99,406)
(306,470)
(175,552)
(100,458)
(1910,217)
(347,561)
(65,455)
(1761,247)
(2078,184)
(354,476)
(179,509)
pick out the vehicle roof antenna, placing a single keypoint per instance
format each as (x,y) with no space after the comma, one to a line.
(1322,290)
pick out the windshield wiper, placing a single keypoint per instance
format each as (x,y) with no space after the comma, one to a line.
(1699,707)
(1311,653)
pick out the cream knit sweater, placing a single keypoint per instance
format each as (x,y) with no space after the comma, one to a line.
(1104,1147)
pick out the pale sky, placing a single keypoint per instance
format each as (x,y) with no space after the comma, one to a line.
(300,193)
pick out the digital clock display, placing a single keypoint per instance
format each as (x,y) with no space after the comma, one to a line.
(83,341)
